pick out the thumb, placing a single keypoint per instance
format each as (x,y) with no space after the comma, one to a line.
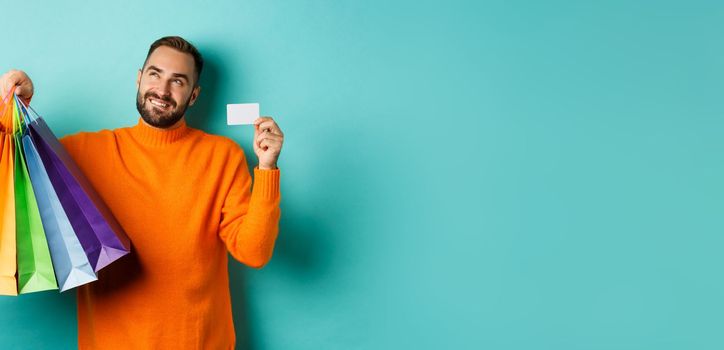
(7,89)
(4,89)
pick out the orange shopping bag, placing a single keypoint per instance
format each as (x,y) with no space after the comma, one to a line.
(8,263)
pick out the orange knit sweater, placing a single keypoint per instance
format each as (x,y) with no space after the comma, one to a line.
(185,198)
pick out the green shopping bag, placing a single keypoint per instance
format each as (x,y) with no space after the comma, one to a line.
(35,267)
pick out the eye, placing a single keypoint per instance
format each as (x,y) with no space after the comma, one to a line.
(153,74)
(178,82)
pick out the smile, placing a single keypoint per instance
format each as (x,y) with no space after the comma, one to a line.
(158,103)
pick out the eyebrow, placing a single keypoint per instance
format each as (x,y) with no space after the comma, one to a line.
(176,75)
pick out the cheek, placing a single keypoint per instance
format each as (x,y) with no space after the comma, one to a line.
(143,87)
(141,91)
(181,95)
(149,84)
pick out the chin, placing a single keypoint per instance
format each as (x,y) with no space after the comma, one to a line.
(161,121)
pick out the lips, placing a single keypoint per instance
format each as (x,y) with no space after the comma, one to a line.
(158,103)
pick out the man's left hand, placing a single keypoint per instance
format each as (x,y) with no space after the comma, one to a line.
(268,140)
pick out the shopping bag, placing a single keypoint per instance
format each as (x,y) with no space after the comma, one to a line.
(8,263)
(70,262)
(100,234)
(35,267)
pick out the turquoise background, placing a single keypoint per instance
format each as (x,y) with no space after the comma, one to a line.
(456,174)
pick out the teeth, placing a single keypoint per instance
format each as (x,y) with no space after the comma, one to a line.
(156,103)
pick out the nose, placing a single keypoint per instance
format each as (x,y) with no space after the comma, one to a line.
(164,89)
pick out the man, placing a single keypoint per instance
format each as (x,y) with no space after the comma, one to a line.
(185,198)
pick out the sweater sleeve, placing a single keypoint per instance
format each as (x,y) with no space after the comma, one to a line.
(250,216)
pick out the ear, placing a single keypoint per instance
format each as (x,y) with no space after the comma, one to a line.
(138,80)
(194,95)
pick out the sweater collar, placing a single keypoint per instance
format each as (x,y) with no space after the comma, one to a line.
(158,137)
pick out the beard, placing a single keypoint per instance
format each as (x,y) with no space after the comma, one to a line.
(154,116)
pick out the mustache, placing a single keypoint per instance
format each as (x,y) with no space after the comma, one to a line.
(164,98)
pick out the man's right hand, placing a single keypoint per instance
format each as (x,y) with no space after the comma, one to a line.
(17,78)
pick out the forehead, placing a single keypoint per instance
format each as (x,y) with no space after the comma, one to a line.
(171,60)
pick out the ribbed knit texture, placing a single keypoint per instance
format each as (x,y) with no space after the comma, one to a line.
(185,198)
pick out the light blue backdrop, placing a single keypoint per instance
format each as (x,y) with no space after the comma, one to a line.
(456,174)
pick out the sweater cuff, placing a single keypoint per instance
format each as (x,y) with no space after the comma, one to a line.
(266,184)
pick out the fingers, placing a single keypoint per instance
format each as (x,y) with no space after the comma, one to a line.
(17,78)
(9,80)
(266,139)
(268,144)
(5,84)
(267,136)
(261,119)
(267,124)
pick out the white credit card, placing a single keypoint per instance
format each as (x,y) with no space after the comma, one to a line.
(241,113)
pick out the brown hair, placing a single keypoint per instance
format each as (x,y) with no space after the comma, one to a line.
(180,44)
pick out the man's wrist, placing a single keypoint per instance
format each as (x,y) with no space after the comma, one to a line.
(266,167)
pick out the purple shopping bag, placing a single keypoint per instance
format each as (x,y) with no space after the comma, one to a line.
(102,238)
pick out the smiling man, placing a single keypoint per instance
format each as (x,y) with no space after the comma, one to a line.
(164,106)
(185,198)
